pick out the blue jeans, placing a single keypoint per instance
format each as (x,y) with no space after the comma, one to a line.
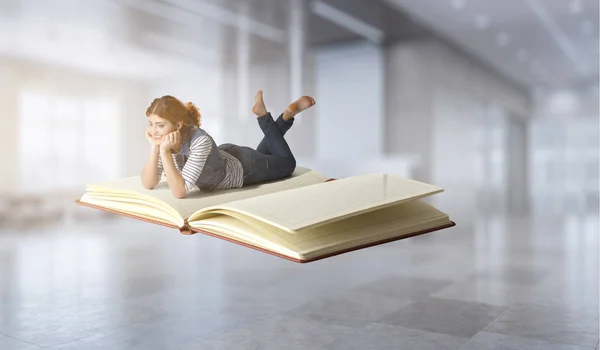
(272,159)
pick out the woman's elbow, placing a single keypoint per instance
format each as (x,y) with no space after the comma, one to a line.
(179,194)
(149,185)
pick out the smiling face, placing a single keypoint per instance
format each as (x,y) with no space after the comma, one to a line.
(159,127)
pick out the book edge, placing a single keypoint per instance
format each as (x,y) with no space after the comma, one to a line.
(328,255)
(380,242)
(184,230)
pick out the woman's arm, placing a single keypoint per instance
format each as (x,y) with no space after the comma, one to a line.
(182,183)
(150,175)
(174,178)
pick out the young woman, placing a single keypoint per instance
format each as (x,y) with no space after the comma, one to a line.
(190,158)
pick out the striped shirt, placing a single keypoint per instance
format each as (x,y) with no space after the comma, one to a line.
(192,168)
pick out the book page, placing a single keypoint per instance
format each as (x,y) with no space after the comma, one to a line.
(197,199)
(393,221)
(133,207)
(132,187)
(303,208)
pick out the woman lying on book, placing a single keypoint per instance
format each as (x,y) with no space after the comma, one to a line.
(190,158)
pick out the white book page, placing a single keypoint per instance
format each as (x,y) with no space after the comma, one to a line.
(393,221)
(197,199)
(302,208)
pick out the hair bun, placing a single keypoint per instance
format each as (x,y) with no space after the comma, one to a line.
(193,114)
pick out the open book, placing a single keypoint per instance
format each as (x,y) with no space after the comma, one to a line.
(304,217)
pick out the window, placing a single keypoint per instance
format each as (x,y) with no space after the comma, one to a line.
(564,163)
(65,141)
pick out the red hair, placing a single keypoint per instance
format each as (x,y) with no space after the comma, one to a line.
(170,108)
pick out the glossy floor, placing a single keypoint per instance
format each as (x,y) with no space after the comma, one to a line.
(492,283)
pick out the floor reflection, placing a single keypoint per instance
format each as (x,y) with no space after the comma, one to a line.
(114,282)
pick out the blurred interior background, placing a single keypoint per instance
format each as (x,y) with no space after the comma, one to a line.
(496,101)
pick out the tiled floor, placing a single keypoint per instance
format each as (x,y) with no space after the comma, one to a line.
(495,283)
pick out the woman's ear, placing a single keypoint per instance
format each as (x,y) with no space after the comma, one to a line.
(179,126)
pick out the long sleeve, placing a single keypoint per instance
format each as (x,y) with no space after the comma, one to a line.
(159,168)
(199,151)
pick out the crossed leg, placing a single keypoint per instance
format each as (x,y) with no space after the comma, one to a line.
(285,121)
(272,159)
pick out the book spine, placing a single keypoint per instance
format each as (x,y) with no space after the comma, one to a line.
(186,229)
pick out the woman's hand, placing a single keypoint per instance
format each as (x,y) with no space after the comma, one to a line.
(171,141)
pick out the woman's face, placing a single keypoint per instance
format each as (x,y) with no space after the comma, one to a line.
(158,128)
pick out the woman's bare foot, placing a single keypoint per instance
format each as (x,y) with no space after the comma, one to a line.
(298,106)
(259,106)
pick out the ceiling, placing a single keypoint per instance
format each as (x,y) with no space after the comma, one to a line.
(537,43)
(532,42)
